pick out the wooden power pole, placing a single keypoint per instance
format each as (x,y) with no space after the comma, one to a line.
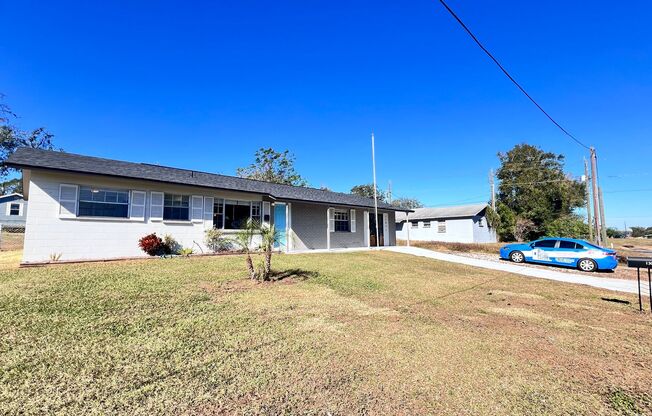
(588,200)
(596,203)
(493,189)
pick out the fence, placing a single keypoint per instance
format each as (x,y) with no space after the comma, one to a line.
(11,237)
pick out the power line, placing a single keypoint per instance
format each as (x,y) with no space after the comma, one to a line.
(628,190)
(475,39)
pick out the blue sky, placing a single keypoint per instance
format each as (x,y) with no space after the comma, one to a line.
(204,84)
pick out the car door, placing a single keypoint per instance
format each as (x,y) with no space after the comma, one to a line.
(542,250)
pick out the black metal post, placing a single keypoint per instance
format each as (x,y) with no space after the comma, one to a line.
(638,275)
(649,286)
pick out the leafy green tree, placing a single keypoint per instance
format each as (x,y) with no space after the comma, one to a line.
(10,186)
(367,190)
(615,233)
(534,187)
(641,231)
(11,138)
(407,203)
(272,166)
(571,226)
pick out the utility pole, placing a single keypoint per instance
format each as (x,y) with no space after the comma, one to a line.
(373,162)
(493,189)
(389,191)
(603,228)
(588,200)
(596,203)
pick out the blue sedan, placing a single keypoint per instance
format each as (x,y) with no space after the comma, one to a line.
(562,252)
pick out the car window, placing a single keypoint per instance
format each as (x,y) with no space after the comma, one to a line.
(545,243)
(568,244)
(579,246)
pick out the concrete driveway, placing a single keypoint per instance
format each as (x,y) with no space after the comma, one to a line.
(618,285)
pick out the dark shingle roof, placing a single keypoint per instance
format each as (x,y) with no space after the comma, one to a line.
(45,159)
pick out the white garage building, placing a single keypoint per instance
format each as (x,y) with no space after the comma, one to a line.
(459,224)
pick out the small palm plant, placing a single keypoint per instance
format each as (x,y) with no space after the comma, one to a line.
(244,238)
(269,238)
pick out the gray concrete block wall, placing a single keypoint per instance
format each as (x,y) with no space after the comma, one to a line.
(306,230)
(346,240)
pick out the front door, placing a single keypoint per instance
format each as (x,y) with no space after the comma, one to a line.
(373,239)
(280,224)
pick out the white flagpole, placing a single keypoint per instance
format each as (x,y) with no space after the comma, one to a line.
(373,161)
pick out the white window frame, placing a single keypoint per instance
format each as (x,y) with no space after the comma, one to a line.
(20,209)
(426,224)
(189,219)
(335,220)
(352,225)
(132,204)
(414,224)
(152,205)
(441,227)
(73,214)
(196,211)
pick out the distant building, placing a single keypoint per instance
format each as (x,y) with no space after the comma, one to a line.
(459,224)
(13,210)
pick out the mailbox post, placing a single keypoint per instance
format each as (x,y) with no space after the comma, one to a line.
(645,263)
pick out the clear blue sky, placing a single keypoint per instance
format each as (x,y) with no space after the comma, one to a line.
(204,84)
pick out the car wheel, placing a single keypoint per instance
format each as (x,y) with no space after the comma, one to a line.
(517,257)
(587,265)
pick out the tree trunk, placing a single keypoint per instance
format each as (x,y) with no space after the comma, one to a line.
(268,263)
(250,267)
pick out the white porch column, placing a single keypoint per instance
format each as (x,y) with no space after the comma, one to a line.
(328,229)
(407,225)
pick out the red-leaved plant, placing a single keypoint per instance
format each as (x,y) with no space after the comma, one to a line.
(151,244)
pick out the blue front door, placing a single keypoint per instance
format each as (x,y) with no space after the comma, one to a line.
(280,224)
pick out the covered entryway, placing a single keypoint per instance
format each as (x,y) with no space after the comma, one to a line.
(375,240)
(280,224)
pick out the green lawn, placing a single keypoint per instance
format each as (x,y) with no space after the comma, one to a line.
(355,333)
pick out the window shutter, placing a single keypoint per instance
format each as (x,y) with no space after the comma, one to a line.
(20,209)
(156,206)
(352,219)
(68,200)
(266,213)
(209,202)
(197,208)
(331,220)
(137,205)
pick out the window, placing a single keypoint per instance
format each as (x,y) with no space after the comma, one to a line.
(218,213)
(426,224)
(570,245)
(14,209)
(176,207)
(255,211)
(95,202)
(545,243)
(236,214)
(414,224)
(481,222)
(341,220)
(441,226)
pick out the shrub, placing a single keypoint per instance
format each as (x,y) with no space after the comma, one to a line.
(216,241)
(571,226)
(170,245)
(151,244)
(185,252)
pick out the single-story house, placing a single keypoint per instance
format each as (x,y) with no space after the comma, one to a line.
(13,210)
(459,224)
(87,208)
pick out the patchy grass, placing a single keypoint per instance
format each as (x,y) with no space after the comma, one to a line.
(366,332)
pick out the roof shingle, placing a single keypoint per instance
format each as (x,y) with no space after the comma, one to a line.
(46,159)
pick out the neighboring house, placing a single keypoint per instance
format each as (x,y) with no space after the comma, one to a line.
(90,208)
(13,210)
(461,224)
